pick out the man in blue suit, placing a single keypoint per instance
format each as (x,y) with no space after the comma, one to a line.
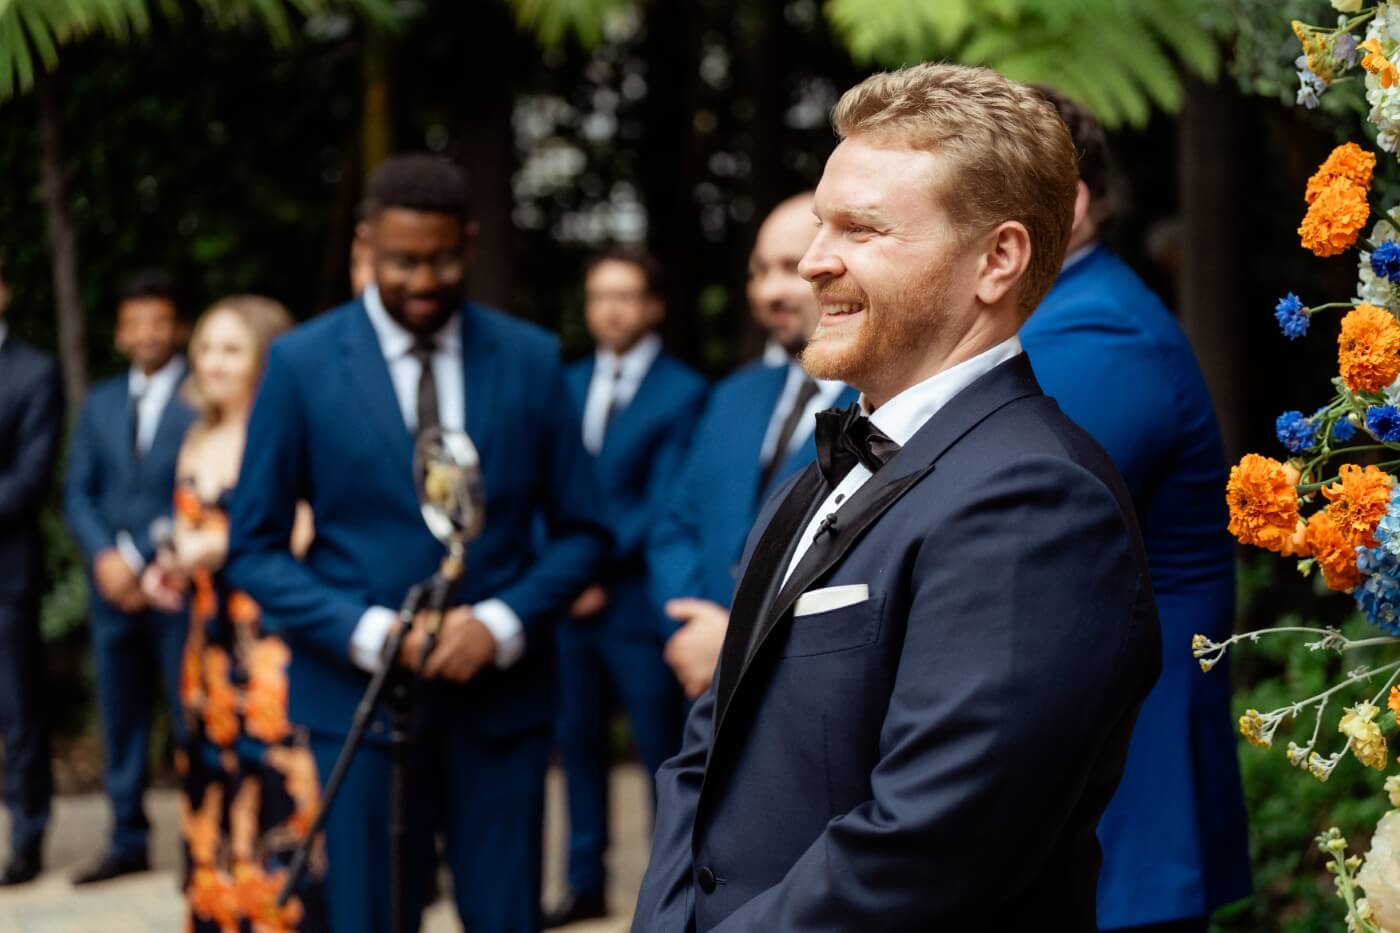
(637,405)
(121,477)
(31,423)
(944,627)
(756,431)
(334,423)
(1175,838)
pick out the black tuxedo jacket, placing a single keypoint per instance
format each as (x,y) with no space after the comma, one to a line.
(934,757)
(31,423)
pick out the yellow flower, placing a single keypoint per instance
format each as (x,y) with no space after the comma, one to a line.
(1257,730)
(1367,742)
(1346,6)
(1392,789)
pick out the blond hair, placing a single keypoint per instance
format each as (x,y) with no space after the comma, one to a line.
(1011,156)
(265,320)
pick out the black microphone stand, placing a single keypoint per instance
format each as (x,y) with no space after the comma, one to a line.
(395,686)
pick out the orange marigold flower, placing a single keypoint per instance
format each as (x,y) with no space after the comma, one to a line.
(1368,349)
(1335,219)
(1263,503)
(1377,64)
(1349,162)
(242,610)
(1359,500)
(1335,554)
(187,504)
(1393,701)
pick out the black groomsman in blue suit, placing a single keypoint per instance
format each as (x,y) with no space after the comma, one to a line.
(340,402)
(121,476)
(638,406)
(31,423)
(756,431)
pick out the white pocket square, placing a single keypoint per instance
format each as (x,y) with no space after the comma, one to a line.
(832,597)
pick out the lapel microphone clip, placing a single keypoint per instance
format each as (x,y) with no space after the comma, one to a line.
(827,526)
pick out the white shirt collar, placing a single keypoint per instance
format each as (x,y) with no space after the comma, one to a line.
(635,362)
(774,354)
(395,340)
(902,416)
(138,383)
(1076,257)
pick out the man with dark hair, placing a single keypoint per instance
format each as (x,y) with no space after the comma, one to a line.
(31,424)
(341,401)
(121,477)
(637,406)
(1175,842)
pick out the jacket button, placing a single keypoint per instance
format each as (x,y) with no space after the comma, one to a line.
(706,879)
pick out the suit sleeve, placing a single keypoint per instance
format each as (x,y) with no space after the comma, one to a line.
(674,550)
(576,540)
(667,459)
(22,484)
(82,488)
(1020,664)
(273,479)
(666,903)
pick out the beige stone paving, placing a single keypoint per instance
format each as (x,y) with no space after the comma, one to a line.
(151,903)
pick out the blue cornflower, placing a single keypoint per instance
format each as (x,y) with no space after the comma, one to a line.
(1383,421)
(1295,432)
(1343,50)
(1310,86)
(1379,593)
(1385,261)
(1292,316)
(1343,430)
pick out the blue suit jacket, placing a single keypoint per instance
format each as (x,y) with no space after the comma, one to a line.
(642,452)
(327,429)
(698,538)
(105,490)
(31,423)
(1175,838)
(936,756)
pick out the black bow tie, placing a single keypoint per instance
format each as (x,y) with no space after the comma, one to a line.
(845,438)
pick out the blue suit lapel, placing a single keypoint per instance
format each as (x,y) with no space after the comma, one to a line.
(749,431)
(375,398)
(625,423)
(175,417)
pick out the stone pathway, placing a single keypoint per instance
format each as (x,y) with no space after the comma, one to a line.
(152,903)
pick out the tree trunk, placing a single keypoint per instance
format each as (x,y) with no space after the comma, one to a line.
(1208,165)
(377,123)
(63,244)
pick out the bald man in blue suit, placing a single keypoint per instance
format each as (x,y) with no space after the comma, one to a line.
(756,432)
(1174,837)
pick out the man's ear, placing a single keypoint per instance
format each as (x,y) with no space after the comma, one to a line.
(1081,210)
(1004,262)
(471,235)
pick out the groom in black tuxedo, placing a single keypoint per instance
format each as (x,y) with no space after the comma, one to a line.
(944,628)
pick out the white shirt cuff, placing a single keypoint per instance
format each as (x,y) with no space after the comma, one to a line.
(126,547)
(504,625)
(367,641)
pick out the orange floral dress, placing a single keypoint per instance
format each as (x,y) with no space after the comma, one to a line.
(249,780)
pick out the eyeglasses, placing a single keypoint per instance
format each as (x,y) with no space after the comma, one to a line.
(444,266)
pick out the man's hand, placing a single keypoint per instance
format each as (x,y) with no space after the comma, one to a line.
(693,652)
(116,582)
(590,602)
(163,586)
(464,646)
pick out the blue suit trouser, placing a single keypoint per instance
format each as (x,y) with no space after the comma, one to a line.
(597,665)
(24,727)
(133,653)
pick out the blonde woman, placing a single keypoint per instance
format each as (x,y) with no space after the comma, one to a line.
(250,782)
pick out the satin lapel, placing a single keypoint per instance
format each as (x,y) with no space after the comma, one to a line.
(760,582)
(481,378)
(758,605)
(368,372)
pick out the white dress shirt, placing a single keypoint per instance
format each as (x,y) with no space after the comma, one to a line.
(613,386)
(775,354)
(396,342)
(154,392)
(827,393)
(900,419)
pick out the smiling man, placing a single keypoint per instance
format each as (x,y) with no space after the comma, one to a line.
(943,629)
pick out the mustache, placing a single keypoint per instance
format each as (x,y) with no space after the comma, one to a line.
(833,294)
